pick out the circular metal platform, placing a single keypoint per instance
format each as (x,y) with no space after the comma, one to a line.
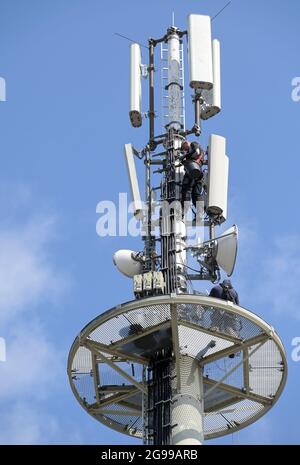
(243,360)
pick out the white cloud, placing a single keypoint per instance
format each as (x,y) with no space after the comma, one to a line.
(33,367)
(267,274)
(26,273)
(30,282)
(280,276)
(24,424)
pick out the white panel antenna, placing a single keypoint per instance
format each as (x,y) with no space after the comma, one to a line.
(135,86)
(213,97)
(218,169)
(133,180)
(200,52)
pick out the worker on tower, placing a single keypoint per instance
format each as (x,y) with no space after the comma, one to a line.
(193,159)
(225,291)
(220,319)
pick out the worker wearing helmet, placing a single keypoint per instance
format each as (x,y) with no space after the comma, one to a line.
(225,291)
(222,320)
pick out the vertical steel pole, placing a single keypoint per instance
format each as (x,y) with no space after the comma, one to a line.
(174,87)
(187,396)
(187,405)
(151,112)
(149,243)
(148,238)
(178,229)
(197,109)
(182,404)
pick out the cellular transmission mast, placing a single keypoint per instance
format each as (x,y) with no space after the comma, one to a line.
(174,366)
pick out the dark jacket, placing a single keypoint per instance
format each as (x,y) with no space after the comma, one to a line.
(195,153)
(225,293)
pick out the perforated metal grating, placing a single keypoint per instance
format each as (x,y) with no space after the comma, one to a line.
(243,360)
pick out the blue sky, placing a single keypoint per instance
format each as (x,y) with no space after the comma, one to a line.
(62,131)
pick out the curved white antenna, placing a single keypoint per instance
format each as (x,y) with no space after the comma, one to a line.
(226,250)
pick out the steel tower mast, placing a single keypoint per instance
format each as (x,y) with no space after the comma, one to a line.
(150,368)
